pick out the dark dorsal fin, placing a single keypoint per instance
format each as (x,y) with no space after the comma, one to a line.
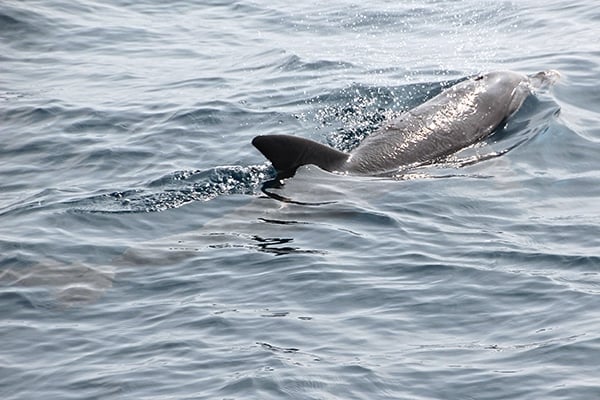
(287,153)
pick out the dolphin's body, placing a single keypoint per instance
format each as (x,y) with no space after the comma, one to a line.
(456,118)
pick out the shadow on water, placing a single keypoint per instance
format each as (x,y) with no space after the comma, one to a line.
(272,245)
(278,184)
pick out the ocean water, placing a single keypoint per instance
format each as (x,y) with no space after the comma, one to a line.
(143,257)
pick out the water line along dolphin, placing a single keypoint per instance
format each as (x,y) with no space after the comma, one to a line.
(456,118)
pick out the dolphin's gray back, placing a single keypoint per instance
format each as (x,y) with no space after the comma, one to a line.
(456,118)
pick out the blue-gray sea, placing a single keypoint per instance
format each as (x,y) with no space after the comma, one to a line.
(142,256)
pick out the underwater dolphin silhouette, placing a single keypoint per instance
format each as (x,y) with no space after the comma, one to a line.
(458,117)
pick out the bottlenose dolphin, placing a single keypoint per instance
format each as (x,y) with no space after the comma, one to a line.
(458,117)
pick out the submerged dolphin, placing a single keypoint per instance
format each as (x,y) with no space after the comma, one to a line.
(454,119)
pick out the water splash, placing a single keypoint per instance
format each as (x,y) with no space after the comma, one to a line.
(358,110)
(179,188)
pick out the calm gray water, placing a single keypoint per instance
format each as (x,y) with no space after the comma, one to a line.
(140,259)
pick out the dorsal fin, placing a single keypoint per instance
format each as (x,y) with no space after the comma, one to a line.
(287,153)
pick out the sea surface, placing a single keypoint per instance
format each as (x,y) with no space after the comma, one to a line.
(145,255)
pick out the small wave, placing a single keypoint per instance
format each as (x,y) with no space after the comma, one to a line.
(17,22)
(296,64)
(179,188)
